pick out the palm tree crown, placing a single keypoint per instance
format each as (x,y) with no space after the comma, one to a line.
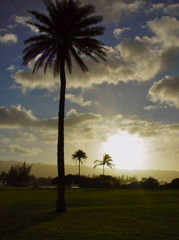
(79,157)
(107,160)
(66,33)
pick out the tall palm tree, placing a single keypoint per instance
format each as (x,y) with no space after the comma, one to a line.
(67,32)
(107,160)
(79,157)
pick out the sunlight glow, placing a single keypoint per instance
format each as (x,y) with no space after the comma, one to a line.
(127,151)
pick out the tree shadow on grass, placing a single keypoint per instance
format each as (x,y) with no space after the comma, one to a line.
(14,222)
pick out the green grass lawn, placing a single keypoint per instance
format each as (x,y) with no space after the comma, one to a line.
(102,214)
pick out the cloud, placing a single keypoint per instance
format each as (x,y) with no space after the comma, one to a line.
(118,67)
(164,8)
(74,119)
(96,127)
(24,151)
(172,9)
(8,38)
(23,20)
(16,116)
(113,10)
(119,31)
(83,127)
(133,49)
(165,91)
(78,100)
(4,139)
(165,30)
(26,136)
(153,107)
(155,8)
(50,139)
(2,149)
(29,81)
(127,61)
(11,68)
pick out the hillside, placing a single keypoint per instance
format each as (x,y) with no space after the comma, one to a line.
(45,170)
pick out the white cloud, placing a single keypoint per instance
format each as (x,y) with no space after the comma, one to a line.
(77,99)
(24,151)
(23,20)
(165,91)
(165,30)
(153,107)
(25,136)
(11,68)
(29,81)
(8,38)
(113,10)
(119,31)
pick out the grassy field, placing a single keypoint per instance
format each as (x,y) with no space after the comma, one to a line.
(102,214)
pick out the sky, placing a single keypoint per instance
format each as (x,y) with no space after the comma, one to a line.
(127,106)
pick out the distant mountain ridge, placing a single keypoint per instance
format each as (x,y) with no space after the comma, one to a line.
(50,170)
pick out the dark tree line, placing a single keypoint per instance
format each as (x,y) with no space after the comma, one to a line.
(105,181)
(20,175)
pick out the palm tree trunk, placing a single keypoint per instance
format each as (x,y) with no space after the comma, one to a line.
(103,169)
(79,168)
(61,205)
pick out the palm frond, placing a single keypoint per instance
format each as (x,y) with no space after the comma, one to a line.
(87,22)
(91,32)
(49,61)
(56,68)
(42,18)
(85,11)
(69,62)
(79,60)
(40,27)
(37,39)
(41,60)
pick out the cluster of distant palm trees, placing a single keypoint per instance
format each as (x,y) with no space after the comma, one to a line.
(80,157)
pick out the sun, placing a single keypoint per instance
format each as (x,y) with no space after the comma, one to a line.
(127,151)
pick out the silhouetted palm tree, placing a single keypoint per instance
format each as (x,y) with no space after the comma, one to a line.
(79,157)
(67,32)
(107,160)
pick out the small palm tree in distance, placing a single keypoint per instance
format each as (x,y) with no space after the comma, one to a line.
(107,160)
(79,157)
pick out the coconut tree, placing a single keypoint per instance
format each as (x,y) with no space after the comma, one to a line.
(107,160)
(68,32)
(79,157)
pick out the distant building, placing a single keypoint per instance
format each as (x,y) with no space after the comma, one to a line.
(3,183)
